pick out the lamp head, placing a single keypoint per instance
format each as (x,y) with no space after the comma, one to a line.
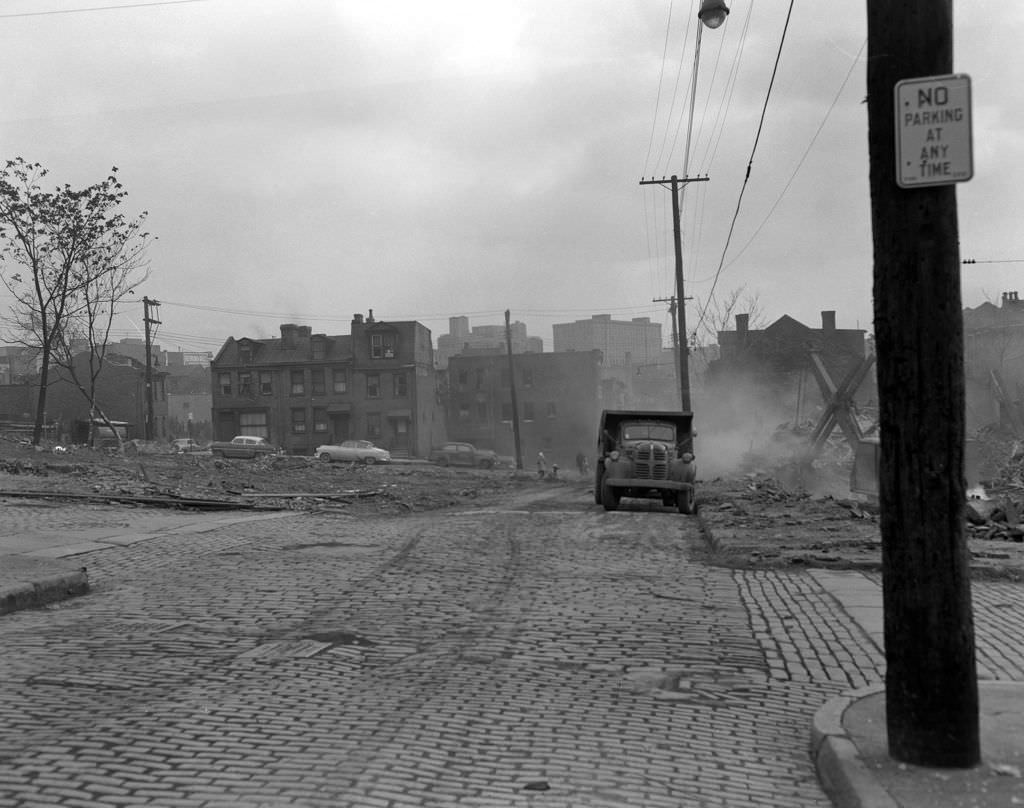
(713,12)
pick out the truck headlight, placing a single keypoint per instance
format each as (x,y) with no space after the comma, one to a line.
(687,457)
(614,455)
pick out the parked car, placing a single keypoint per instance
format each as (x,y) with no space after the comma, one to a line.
(244,446)
(185,445)
(464,454)
(353,451)
(644,453)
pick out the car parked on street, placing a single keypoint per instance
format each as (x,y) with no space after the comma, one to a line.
(464,454)
(244,447)
(353,451)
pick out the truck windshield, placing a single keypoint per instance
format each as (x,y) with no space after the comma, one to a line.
(648,431)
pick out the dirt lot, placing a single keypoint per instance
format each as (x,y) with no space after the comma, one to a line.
(750,520)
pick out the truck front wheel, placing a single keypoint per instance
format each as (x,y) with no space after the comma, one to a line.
(609,497)
(686,501)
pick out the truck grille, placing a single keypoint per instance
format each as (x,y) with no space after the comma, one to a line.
(651,462)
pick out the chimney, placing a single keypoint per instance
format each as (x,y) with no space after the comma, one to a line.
(288,332)
(369,317)
(742,324)
(357,319)
(828,321)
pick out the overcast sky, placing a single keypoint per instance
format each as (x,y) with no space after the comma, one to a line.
(304,160)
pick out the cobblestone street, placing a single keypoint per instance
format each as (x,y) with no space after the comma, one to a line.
(544,654)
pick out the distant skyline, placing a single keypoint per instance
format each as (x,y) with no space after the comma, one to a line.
(302,162)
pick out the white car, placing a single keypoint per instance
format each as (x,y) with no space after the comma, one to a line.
(353,451)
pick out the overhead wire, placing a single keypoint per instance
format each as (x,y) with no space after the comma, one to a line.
(750,164)
(803,158)
(98,8)
(657,98)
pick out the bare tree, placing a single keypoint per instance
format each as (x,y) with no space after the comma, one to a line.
(68,257)
(110,272)
(717,314)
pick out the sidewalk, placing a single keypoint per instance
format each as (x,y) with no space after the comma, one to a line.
(848,736)
(39,543)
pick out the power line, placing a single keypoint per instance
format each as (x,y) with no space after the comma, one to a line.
(750,163)
(99,8)
(803,158)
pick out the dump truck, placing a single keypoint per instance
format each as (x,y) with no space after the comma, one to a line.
(646,454)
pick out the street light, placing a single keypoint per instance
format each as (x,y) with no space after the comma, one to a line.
(712,14)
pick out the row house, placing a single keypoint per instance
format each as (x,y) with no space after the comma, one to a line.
(558,399)
(303,389)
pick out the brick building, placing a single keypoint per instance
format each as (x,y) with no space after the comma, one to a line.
(764,374)
(303,389)
(120,393)
(558,397)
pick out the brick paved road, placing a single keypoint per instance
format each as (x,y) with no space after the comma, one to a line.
(546,655)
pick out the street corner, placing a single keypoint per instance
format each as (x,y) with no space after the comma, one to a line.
(849,748)
(840,762)
(28,583)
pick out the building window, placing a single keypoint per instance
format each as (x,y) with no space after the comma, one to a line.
(506,411)
(299,420)
(382,346)
(298,383)
(463,379)
(245,383)
(479,378)
(481,411)
(552,410)
(463,412)
(527,410)
(266,383)
(319,349)
(317,382)
(245,354)
(527,377)
(319,419)
(253,423)
(224,381)
(373,425)
(373,385)
(401,385)
(340,381)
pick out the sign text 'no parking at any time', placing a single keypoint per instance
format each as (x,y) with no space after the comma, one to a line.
(933,131)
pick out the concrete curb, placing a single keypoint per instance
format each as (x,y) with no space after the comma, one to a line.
(705,530)
(40,593)
(843,776)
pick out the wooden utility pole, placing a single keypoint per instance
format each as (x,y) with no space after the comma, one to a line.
(512,383)
(672,313)
(148,319)
(682,343)
(931,683)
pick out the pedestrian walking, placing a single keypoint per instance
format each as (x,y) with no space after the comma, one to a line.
(542,465)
